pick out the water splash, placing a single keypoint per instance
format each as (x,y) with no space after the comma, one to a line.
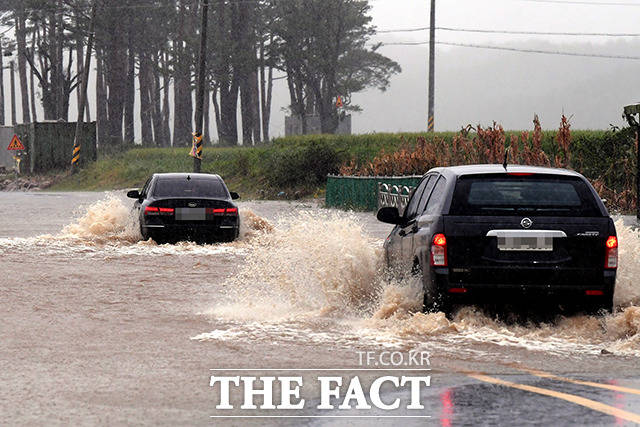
(107,220)
(320,265)
(108,227)
(316,261)
(628,276)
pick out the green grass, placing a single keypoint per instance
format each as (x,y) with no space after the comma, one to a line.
(131,168)
(295,165)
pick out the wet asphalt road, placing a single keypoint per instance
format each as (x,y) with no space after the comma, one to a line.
(104,331)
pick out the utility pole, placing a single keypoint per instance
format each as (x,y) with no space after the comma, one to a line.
(196,151)
(77,141)
(432,60)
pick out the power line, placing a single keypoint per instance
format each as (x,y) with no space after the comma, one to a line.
(587,3)
(514,49)
(536,33)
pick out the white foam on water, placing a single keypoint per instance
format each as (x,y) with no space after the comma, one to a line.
(317,275)
(319,265)
(109,228)
(314,262)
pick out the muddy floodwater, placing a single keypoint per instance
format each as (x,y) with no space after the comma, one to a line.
(99,327)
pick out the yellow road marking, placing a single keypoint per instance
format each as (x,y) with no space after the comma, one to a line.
(588,403)
(547,375)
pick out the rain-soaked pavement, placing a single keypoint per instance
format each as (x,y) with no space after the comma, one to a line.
(100,328)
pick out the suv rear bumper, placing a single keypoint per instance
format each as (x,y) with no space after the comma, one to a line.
(518,292)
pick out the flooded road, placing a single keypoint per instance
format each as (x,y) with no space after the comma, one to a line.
(101,328)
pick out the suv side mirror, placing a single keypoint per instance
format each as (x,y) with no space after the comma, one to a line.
(390,215)
(234,195)
(133,194)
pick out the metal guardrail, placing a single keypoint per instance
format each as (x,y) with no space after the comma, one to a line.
(394,196)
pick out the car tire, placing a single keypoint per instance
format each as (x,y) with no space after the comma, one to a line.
(229,236)
(602,307)
(430,301)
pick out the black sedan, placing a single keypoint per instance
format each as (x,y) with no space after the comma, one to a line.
(186,206)
(502,234)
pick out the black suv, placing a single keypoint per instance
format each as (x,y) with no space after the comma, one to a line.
(486,233)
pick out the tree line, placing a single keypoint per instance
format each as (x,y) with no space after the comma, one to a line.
(321,47)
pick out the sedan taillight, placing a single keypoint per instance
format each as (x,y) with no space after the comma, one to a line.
(439,251)
(152,210)
(611,253)
(222,211)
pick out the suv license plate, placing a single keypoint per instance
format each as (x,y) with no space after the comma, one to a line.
(532,243)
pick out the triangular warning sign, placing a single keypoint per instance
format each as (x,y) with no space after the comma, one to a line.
(339,102)
(15,144)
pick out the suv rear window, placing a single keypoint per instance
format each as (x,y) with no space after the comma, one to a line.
(536,194)
(193,187)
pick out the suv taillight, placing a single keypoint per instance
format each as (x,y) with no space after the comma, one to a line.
(611,253)
(439,251)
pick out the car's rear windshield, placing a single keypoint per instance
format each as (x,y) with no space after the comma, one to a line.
(191,187)
(530,194)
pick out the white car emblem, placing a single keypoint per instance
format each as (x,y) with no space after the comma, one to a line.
(526,223)
(193,205)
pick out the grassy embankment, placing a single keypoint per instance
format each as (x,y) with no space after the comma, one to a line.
(298,166)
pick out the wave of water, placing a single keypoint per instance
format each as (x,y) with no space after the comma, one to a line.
(318,264)
(109,227)
(318,273)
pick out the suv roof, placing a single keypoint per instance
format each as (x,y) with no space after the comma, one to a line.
(457,171)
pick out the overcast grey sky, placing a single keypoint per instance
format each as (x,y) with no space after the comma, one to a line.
(479,86)
(534,15)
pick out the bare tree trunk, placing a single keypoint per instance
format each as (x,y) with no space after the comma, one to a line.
(116,76)
(32,95)
(154,97)
(216,110)
(79,55)
(183,106)
(255,105)
(296,93)
(102,118)
(246,108)
(207,121)
(228,115)
(59,43)
(166,81)
(266,88)
(266,111)
(130,88)
(13,92)
(2,118)
(22,69)
(146,102)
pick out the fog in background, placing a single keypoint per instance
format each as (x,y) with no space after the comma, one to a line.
(479,86)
